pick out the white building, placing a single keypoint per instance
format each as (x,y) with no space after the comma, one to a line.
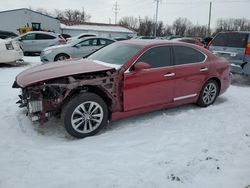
(104,30)
(12,20)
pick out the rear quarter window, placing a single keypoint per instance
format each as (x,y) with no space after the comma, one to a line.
(186,55)
(235,40)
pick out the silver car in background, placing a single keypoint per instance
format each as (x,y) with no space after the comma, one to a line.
(82,35)
(74,49)
(36,41)
(234,46)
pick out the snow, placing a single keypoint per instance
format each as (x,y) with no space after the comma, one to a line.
(108,28)
(188,146)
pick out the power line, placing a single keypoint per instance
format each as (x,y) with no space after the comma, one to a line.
(209,18)
(156,15)
(116,9)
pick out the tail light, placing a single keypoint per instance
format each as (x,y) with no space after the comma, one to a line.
(247,52)
(62,41)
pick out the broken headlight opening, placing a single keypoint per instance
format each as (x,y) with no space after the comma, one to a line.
(9,46)
(41,100)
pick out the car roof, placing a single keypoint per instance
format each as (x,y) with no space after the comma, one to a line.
(247,32)
(154,43)
(44,32)
(150,42)
(96,37)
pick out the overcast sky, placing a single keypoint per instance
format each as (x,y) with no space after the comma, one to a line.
(102,10)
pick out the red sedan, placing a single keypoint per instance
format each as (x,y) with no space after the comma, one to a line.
(123,79)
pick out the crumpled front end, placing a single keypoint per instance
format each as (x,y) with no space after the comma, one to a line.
(46,98)
(41,101)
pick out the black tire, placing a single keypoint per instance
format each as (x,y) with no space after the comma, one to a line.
(72,118)
(208,96)
(61,57)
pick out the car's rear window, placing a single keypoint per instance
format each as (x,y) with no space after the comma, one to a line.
(236,40)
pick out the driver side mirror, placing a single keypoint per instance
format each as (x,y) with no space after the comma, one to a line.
(140,66)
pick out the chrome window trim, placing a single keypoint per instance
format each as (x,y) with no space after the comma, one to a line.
(127,71)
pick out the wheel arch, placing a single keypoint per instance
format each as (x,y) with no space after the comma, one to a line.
(218,82)
(92,89)
(62,53)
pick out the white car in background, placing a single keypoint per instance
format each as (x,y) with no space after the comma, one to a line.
(10,51)
(82,35)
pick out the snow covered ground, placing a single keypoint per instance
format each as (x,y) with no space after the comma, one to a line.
(187,147)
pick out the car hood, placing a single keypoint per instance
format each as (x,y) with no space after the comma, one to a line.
(56,70)
(57,47)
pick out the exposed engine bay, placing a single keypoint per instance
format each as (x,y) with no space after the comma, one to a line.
(45,99)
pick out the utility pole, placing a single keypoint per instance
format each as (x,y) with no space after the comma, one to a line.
(209,18)
(156,16)
(116,9)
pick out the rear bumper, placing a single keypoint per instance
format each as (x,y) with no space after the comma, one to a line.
(11,56)
(239,69)
(226,82)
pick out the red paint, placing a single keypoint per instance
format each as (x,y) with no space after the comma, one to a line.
(57,70)
(145,89)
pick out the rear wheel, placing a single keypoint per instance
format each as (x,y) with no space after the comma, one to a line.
(85,115)
(61,57)
(208,93)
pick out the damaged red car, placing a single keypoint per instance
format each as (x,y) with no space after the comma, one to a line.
(123,79)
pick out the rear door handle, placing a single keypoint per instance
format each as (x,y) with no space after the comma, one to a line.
(204,69)
(169,74)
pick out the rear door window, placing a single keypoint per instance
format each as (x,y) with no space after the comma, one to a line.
(187,55)
(235,40)
(44,37)
(89,42)
(105,42)
(30,36)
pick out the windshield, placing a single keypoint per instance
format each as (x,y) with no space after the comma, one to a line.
(116,53)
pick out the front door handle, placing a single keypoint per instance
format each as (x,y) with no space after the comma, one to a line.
(169,74)
(204,69)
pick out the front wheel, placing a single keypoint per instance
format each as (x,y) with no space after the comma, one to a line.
(61,57)
(85,115)
(208,93)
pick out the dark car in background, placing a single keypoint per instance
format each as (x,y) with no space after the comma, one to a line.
(234,46)
(7,34)
(189,40)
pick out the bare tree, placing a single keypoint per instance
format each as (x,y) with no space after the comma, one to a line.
(146,27)
(130,22)
(67,14)
(167,30)
(233,24)
(181,25)
(160,29)
(196,31)
(75,15)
